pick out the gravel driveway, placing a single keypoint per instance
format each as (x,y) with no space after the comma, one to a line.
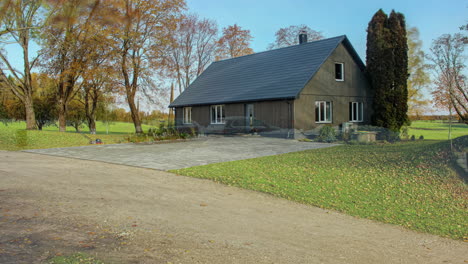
(190,153)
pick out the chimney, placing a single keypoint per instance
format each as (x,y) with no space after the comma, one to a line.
(302,37)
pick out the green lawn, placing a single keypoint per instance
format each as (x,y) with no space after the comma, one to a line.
(409,184)
(14,137)
(436,129)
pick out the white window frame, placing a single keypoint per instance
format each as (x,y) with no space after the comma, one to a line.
(324,103)
(342,72)
(187,115)
(359,111)
(217,109)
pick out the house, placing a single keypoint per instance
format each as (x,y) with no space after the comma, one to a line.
(296,89)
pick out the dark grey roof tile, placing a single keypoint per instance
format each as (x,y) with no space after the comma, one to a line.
(268,75)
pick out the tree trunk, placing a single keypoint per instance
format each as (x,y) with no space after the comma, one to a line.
(135,115)
(450,128)
(92,125)
(90,113)
(30,116)
(62,111)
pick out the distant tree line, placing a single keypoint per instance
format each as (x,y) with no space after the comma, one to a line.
(94,51)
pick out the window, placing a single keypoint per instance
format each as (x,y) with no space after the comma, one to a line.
(217,114)
(356,111)
(187,115)
(323,112)
(339,72)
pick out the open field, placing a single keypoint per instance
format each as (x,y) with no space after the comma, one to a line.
(436,129)
(101,127)
(409,184)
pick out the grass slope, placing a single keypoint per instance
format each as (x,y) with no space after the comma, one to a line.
(408,184)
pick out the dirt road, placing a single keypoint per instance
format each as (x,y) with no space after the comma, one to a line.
(52,206)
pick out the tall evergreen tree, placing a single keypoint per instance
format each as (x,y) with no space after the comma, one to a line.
(397,26)
(387,68)
(377,66)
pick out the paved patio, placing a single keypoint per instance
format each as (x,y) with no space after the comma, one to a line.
(200,151)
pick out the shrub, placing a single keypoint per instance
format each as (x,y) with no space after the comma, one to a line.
(421,137)
(327,134)
(137,138)
(191,131)
(345,136)
(383,133)
(404,133)
(413,138)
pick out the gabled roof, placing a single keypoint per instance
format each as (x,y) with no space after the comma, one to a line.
(269,75)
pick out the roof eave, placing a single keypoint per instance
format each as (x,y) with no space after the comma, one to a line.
(234,102)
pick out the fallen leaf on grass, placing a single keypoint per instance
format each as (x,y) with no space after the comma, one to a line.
(88,246)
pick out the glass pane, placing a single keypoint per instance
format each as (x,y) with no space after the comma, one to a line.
(317,111)
(355,112)
(322,111)
(338,71)
(328,111)
(213,114)
(221,107)
(218,114)
(350,111)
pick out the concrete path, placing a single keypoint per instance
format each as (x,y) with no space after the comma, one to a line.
(52,205)
(196,152)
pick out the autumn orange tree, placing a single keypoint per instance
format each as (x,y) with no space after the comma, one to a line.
(418,78)
(98,84)
(19,22)
(448,63)
(74,32)
(99,80)
(289,36)
(142,38)
(234,42)
(192,49)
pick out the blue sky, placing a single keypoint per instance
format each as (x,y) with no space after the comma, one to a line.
(338,17)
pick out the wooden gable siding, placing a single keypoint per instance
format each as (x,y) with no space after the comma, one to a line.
(276,113)
(324,87)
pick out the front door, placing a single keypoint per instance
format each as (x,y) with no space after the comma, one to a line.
(249,117)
